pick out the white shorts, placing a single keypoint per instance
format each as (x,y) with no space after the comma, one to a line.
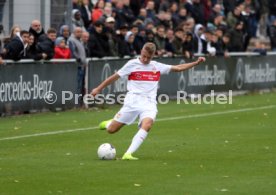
(136,106)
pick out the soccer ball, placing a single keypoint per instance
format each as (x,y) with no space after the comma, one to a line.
(106,152)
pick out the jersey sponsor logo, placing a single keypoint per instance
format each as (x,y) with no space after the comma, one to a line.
(145,76)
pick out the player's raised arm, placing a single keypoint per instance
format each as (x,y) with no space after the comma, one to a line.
(186,66)
(105,83)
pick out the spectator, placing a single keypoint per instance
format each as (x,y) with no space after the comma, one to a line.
(31,48)
(174,13)
(180,17)
(150,36)
(233,17)
(76,4)
(218,20)
(45,48)
(61,49)
(149,25)
(217,41)
(13,33)
(207,10)
(226,44)
(272,10)
(134,29)
(250,22)
(217,10)
(237,38)
(229,6)
(178,41)
(260,48)
(198,44)
(272,35)
(85,41)
(165,19)
(37,30)
(111,35)
(207,47)
(77,20)
(169,41)
(135,5)
(189,25)
(197,12)
(99,41)
(2,36)
(188,45)
(64,32)
(129,39)
(98,11)
(78,52)
(187,4)
(140,39)
(124,14)
(86,11)
(150,7)
(160,41)
(106,14)
(128,13)
(142,14)
(16,48)
(122,45)
(263,22)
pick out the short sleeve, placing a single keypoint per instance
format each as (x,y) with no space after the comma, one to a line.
(163,68)
(125,70)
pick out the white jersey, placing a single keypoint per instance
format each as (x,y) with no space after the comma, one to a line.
(143,78)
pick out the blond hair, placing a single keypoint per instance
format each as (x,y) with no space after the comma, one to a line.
(150,48)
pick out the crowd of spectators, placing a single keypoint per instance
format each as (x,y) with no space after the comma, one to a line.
(177,27)
(115,28)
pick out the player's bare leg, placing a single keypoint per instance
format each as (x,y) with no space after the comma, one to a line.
(138,139)
(112,126)
(146,124)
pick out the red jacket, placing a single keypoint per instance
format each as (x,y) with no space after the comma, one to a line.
(62,53)
(96,14)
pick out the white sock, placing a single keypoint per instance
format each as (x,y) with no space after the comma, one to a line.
(137,141)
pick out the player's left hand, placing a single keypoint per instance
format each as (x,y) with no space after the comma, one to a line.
(201,59)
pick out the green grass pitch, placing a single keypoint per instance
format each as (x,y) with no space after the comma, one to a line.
(192,149)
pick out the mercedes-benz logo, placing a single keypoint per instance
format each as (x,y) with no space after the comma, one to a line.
(181,79)
(239,74)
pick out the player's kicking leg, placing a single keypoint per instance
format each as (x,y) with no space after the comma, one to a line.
(138,139)
(112,126)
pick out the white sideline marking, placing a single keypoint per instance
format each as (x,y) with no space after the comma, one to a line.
(162,119)
(217,113)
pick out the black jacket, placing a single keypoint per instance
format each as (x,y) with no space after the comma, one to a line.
(36,35)
(44,45)
(14,49)
(98,44)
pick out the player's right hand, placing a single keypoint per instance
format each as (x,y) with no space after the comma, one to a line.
(201,59)
(95,91)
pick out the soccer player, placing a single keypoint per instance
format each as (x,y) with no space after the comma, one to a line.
(143,76)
